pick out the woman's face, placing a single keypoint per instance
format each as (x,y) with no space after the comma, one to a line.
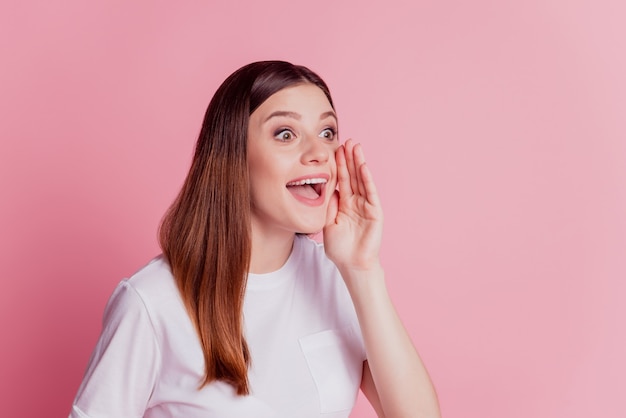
(292,138)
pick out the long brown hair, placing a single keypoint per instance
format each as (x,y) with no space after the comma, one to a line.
(205,234)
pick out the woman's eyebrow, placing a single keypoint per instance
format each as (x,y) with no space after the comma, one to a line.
(330,113)
(297,116)
(288,114)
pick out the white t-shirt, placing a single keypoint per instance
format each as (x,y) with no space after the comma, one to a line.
(305,343)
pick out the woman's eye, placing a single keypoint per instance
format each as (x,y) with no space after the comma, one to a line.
(284,135)
(328,133)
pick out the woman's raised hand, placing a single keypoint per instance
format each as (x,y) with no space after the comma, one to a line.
(354,222)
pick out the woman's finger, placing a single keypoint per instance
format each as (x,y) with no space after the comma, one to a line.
(333,208)
(371,193)
(359,160)
(352,169)
(343,176)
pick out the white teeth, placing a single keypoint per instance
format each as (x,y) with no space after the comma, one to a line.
(307,181)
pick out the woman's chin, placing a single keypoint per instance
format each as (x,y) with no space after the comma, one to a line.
(310,231)
(312,228)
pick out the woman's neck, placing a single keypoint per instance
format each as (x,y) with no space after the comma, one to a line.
(269,251)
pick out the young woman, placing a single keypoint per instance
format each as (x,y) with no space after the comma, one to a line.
(243,315)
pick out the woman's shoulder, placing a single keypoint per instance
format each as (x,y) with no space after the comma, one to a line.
(152,286)
(153,278)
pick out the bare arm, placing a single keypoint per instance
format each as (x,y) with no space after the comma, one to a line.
(394,374)
(394,379)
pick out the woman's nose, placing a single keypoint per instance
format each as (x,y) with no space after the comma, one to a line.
(315,151)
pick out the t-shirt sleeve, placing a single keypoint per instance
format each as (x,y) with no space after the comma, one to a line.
(124,366)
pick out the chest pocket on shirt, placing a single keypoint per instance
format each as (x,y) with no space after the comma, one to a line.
(335,361)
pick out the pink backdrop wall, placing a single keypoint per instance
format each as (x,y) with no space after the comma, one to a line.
(495,131)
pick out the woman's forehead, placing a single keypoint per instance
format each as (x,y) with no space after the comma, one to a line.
(301,100)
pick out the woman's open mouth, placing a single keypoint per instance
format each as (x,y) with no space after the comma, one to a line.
(309,190)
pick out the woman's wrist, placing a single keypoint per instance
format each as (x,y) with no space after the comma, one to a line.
(364,281)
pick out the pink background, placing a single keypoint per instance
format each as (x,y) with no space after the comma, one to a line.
(495,129)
